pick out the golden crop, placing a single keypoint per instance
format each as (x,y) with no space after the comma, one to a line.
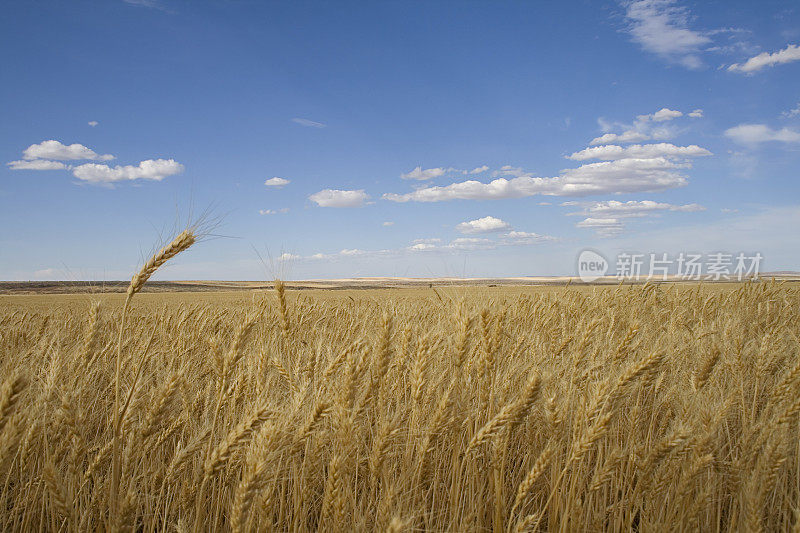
(657,407)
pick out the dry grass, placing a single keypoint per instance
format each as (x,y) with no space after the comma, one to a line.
(649,407)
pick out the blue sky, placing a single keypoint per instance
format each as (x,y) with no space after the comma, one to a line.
(410,138)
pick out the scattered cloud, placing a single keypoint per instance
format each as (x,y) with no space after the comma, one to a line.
(339,198)
(424,174)
(462,244)
(644,128)
(603,227)
(605,217)
(766,59)
(387,223)
(436,245)
(606,177)
(60,152)
(662,28)
(422,247)
(612,152)
(728,210)
(277,182)
(486,224)
(144,3)
(288,257)
(352,251)
(478,170)
(629,136)
(753,134)
(308,123)
(48,155)
(93,123)
(273,211)
(508,170)
(662,115)
(525,238)
(151,169)
(36,164)
(632,208)
(792,112)
(630,169)
(471,243)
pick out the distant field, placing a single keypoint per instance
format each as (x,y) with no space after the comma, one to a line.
(70,287)
(94,287)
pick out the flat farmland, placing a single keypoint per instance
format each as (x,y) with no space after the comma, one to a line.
(437,408)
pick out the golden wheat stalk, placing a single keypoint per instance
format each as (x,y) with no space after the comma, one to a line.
(179,244)
(10,394)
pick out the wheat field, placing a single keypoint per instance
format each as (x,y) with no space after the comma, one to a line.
(660,407)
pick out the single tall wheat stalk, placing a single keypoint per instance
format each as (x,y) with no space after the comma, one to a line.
(180,243)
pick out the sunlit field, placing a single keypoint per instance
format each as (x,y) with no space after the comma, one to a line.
(655,407)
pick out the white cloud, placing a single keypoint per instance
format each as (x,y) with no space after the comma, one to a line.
(662,115)
(766,59)
(288,257)
(93,123)
(423,174)
(273,211)
(525,238)
(630,169)
(308,123)
(792,112)
(388,223)
(339,198)
(145,3)
(458,245)
(647,151)
(478,170)
(471,243)
(753,134)
(644,128)
(604,217)
(662,28)
(607,177)
(604,227)
(351,251)
(632,208)
(422,247)
(629,136)
(277,182)
(508,170)
(151,169)
(55,150)
(486,224)
(36,164)
(48,155)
